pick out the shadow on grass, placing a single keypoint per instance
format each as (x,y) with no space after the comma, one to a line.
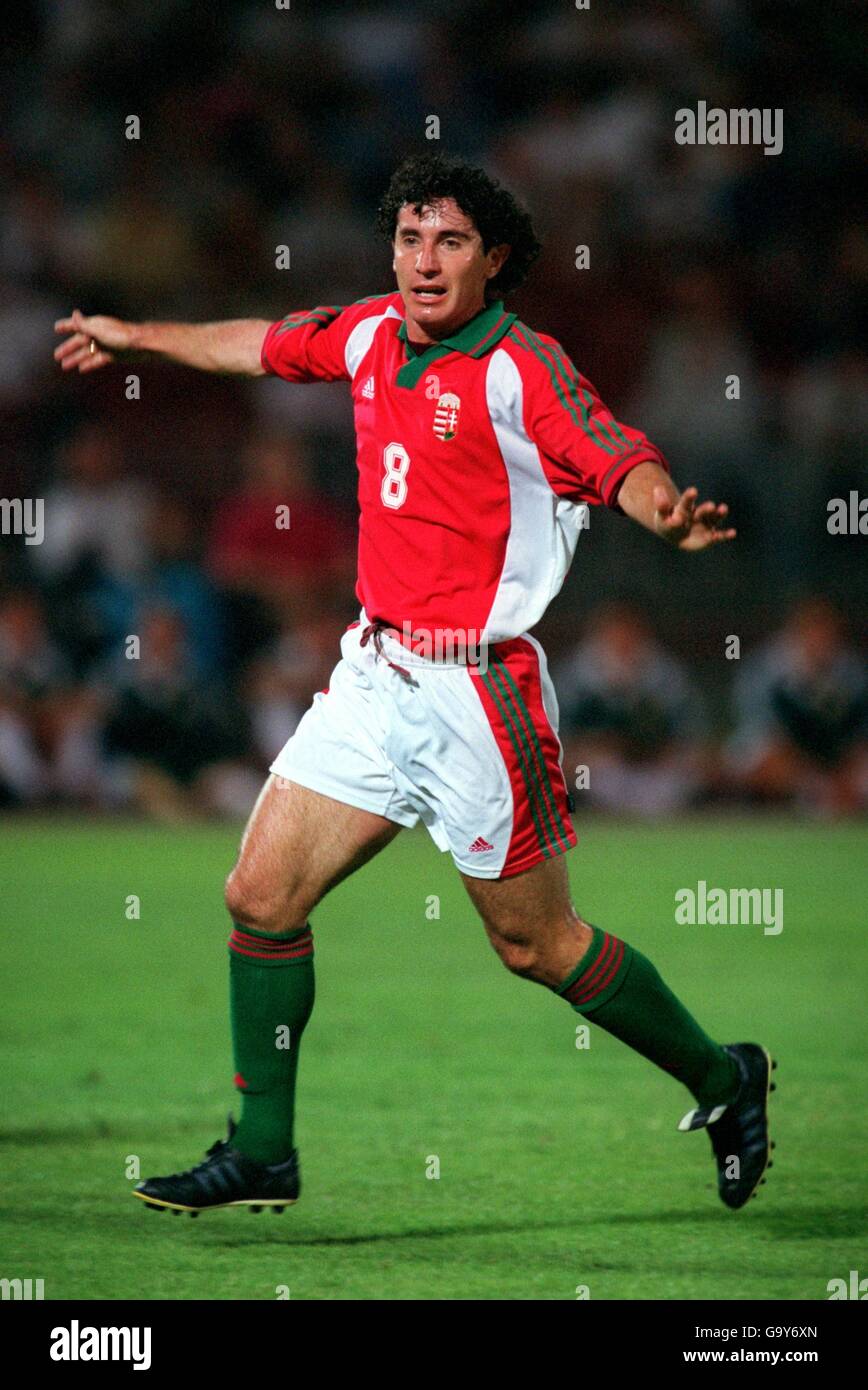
(52,1137)
(782,1224)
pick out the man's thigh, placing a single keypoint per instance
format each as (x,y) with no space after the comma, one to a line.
(297,845)
(531,921)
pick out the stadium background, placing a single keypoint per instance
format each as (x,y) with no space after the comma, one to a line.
(262,128)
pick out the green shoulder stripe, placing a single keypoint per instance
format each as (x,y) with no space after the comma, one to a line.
(570,369)
(369,298)
(322,316)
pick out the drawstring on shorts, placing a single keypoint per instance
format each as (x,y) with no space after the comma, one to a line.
(376,630)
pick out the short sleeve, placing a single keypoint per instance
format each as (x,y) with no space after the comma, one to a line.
(585,451)
(308,345)
(312,344)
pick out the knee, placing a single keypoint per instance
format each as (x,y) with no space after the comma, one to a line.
(520,958)
(250,905)
(545,957)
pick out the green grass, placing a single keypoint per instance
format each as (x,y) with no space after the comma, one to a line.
(559,1167)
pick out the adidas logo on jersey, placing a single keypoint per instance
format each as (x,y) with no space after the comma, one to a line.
(479,844)
(446,416)
(368,389)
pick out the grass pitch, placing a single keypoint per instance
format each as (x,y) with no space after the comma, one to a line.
(559,1167)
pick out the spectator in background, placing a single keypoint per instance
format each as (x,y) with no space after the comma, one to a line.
(276,544)
(630,716)
(802,706)
(96,521)
(171,578)
(47,740)
(176,746)
(95,514)
(281,682)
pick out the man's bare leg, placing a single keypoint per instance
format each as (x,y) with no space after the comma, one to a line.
(297,845)
(536,931)
(538,934)
(531,921)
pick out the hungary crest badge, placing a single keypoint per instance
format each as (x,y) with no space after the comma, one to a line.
(446,416)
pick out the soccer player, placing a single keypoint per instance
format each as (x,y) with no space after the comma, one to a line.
(480,447)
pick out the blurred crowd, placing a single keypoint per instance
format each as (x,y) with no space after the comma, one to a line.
(146,666)
(261,127)
(637,737)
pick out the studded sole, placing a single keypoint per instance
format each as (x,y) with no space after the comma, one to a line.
(255,1204)
(771,1065)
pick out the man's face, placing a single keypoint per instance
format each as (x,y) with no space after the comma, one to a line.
(441,268)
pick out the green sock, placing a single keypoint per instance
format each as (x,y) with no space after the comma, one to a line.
(271,993)
(617,987)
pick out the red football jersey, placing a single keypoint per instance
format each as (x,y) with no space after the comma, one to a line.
(476,461)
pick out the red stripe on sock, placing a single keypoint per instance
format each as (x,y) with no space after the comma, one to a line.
(609,976)
(286,954)
(590,975)
(272,943)
(303,935)
(270,955)
(605,970)
(295,948)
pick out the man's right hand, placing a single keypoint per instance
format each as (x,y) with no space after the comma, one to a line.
(93,342)
(233,346)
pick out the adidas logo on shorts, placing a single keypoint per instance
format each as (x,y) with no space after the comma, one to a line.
(479,844)
(368,389)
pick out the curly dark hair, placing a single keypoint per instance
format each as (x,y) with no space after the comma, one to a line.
(424,179)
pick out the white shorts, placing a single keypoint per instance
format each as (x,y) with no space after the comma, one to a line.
(471,752)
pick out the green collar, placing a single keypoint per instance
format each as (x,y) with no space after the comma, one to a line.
(477,337)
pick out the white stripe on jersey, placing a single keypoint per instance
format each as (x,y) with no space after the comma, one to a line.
(544,528)
(359,341)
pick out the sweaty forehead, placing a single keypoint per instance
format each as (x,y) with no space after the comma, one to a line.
(445,212)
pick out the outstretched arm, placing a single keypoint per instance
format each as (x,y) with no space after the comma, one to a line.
(233,346)
(650,497)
